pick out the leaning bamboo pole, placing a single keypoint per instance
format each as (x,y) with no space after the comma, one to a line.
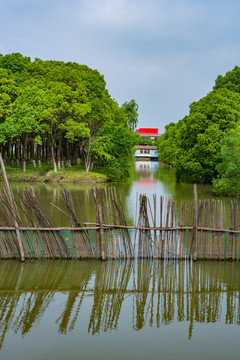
(11,202)
(41,238)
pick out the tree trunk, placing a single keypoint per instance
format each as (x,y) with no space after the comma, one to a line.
(25,151)
(8,152)
(59,153)
(16,151)
(48,149)
(68,156)
(39,155)
(33,152)
(53,155)
(87,156)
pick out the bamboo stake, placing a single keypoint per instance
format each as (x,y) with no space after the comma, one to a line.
(160,232)
(101,231)
(10,198)
(155,224)
(195,231)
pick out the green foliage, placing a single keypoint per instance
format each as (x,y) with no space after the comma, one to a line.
(131,111)
(147,142)
(167,144)
(117,170)
(52,102)
(228,180)
(230,81)
(119,142)
(193,144)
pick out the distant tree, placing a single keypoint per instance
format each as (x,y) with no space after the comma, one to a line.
(131,111)
(148,142)
(120,147)
(167,144)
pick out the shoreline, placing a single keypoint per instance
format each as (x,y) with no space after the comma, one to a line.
(52,177)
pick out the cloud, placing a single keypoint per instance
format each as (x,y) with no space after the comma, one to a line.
(163,53)
(121,15)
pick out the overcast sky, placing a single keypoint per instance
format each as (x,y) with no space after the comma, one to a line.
(165,54)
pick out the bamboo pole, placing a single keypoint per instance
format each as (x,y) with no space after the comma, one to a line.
(101,231)
(155,224)
(47,241)
(160,232)
(195,230)
(10,198)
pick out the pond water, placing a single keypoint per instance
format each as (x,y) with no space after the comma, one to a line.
(120,309)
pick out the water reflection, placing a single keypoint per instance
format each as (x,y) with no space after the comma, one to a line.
(146,177)
(143,293)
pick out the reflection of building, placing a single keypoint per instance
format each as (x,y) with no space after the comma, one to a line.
(146,166)
(148,133)
(146,153)
(147,169)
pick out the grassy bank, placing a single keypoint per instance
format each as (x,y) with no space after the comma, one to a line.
(75,174)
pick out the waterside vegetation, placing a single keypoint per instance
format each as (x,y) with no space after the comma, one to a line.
(204,146)
(61,114)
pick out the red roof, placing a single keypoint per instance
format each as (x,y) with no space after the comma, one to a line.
(147,131)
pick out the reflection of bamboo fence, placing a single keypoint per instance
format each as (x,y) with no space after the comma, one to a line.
(199,232)
(154,293)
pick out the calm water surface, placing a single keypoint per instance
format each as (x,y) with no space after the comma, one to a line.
(122,309)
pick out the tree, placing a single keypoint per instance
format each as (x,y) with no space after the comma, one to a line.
(167,144)
(193,144)
(58,109)
(131,111)
(120,141)
(228,180)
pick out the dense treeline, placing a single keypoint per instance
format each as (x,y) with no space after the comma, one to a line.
(205,145)
(61,113)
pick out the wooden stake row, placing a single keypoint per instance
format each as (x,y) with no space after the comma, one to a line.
(163,229)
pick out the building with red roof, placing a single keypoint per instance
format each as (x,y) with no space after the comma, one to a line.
(148,133)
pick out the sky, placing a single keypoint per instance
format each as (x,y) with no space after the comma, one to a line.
(165,54)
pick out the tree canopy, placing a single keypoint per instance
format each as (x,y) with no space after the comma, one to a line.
(131,111)
(60,112)
(194,145)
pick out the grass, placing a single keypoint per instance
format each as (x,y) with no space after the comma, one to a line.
(46,174)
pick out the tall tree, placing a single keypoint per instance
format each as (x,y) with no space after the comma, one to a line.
(131,111)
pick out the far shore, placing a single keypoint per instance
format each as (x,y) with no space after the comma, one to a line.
(70,175)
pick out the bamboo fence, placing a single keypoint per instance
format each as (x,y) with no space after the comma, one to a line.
(163,230)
